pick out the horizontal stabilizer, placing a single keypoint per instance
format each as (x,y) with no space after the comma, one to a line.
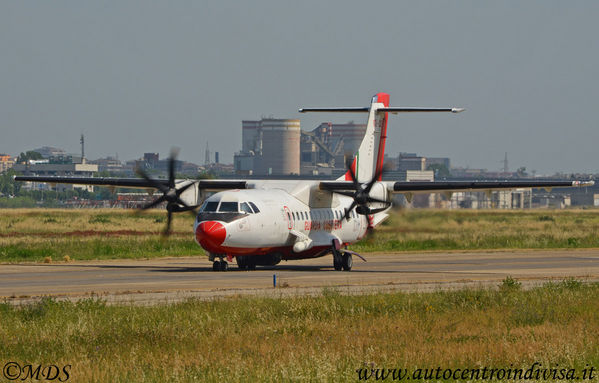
(336,110)
(419,110)
(390,110)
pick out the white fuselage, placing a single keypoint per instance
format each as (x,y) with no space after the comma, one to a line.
(284,224)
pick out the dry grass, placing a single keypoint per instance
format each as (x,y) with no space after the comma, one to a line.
(35,234)
(308,338)
(485,229)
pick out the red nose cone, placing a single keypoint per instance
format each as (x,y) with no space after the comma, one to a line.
(211,233)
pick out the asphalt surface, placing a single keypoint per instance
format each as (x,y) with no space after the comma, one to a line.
(172,279)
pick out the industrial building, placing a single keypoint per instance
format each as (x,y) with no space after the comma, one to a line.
(269,147)
(325,148)
(278,147)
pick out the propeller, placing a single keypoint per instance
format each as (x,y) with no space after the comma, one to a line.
(360,195)
(170,194)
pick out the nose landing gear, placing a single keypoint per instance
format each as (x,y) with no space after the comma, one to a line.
(220,266)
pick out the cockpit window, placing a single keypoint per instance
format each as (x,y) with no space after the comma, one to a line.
(209,206)
(228,207)
(256,210)
(246,208)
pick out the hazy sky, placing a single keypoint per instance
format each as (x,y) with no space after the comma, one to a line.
(141,76)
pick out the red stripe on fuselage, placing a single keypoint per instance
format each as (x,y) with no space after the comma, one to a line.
(383,98)
(286,251)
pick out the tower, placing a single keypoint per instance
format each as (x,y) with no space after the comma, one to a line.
(82,140)
(207,155)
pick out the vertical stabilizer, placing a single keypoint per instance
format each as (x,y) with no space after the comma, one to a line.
(371,153)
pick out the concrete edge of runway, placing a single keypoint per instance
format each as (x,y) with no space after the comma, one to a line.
(150,298)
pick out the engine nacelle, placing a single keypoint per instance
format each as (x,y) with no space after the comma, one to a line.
(378,191)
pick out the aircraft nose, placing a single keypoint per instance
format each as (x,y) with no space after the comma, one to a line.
(211,232)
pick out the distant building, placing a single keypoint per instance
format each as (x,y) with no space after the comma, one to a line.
(6,162)
(49,151)
(57,169)
(269,147)
(351,134)
(444,161)
(411,161)
(151,159)
(108,164)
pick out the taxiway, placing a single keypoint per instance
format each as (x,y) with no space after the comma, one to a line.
(171,279)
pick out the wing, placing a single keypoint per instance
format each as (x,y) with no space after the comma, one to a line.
(139,183)
(451,186)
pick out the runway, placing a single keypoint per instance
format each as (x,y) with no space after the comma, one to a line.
(172,279)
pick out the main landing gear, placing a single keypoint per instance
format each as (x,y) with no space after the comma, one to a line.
(220,266)
(342,260)
(219,263)
(245,262)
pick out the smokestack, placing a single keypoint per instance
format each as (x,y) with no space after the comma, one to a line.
(82,149)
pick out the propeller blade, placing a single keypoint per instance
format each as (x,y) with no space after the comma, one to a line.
(167,229)
(374,211)
(352,174)
(171,168)
(378,173)
(345,193)
(376,200)
(154,203)
(182,189)
(346,215)
(151,182)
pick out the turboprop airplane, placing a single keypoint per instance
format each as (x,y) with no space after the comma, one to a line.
(261,222)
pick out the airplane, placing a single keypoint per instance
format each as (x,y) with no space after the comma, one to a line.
(262,222)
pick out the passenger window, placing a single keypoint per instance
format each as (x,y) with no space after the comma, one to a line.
(246,208)
(256,210)
(209,206)
(228,207)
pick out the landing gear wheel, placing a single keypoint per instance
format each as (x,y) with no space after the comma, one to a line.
(224,266)
(337,262)
(220,266)
(241,262)
(347,261)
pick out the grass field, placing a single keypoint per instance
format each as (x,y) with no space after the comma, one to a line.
(324,338)
(34,234)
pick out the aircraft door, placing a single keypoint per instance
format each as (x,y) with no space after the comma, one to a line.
(287,217)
